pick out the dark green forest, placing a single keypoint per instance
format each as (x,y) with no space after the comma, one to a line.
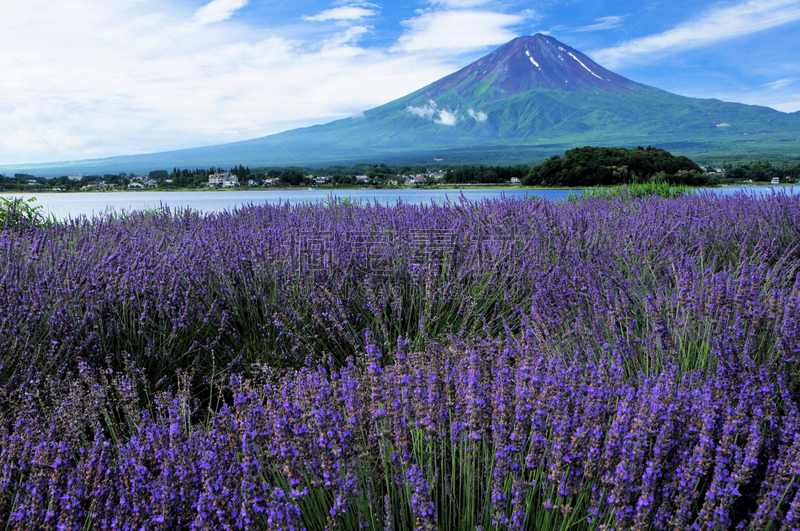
(603,166)
(762,171)
(485,175)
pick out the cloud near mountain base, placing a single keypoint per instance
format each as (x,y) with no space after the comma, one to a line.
(431,112)
(478,116)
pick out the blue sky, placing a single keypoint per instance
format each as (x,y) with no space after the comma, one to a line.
(91,78)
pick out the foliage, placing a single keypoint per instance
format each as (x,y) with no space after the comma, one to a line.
(289,176)
(347,180)
(241,172)
(157,175)
(657,187)
(16,212)
(598,166)
(195,178)
(625,363)
(482,174)
(761,171)
(380,171)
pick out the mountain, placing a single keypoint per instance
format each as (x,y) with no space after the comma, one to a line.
(529,63)
(531,98)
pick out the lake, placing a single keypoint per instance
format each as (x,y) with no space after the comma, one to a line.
(66,205)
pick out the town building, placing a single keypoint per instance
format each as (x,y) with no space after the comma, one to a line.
(224,179)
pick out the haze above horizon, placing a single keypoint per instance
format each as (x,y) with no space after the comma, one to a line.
(87,79)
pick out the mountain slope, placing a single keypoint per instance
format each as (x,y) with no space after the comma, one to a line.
(531,98)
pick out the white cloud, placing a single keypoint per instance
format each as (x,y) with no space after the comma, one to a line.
(714,26)
(457,30)
(428,111)
(343,39)
(603,23)
(98,80)
(446,118)
(431,112)
(478,116)
(780,83)
(784,101)
(218,10)
(788,106)
(459,4)
(342,13)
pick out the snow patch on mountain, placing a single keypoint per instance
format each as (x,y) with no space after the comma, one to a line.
(583,65)
(532,59)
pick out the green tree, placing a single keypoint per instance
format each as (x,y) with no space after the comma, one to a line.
(602,166)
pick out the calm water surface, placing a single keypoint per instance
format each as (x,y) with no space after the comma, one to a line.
(66,205)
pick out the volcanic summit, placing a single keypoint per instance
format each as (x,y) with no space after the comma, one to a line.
(536,62)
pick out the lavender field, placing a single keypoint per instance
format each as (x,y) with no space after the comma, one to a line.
(605,363)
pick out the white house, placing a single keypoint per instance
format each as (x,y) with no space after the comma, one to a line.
(78,177)
(223,178)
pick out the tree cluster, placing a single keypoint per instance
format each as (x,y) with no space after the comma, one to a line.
(343,180)
(191,178)
(288,176)
(380,172)
(604,166)
(484,175)
(761,171)
(19,182)
(243,173)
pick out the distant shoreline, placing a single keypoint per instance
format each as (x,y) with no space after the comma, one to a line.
(332,189)
(346,188)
